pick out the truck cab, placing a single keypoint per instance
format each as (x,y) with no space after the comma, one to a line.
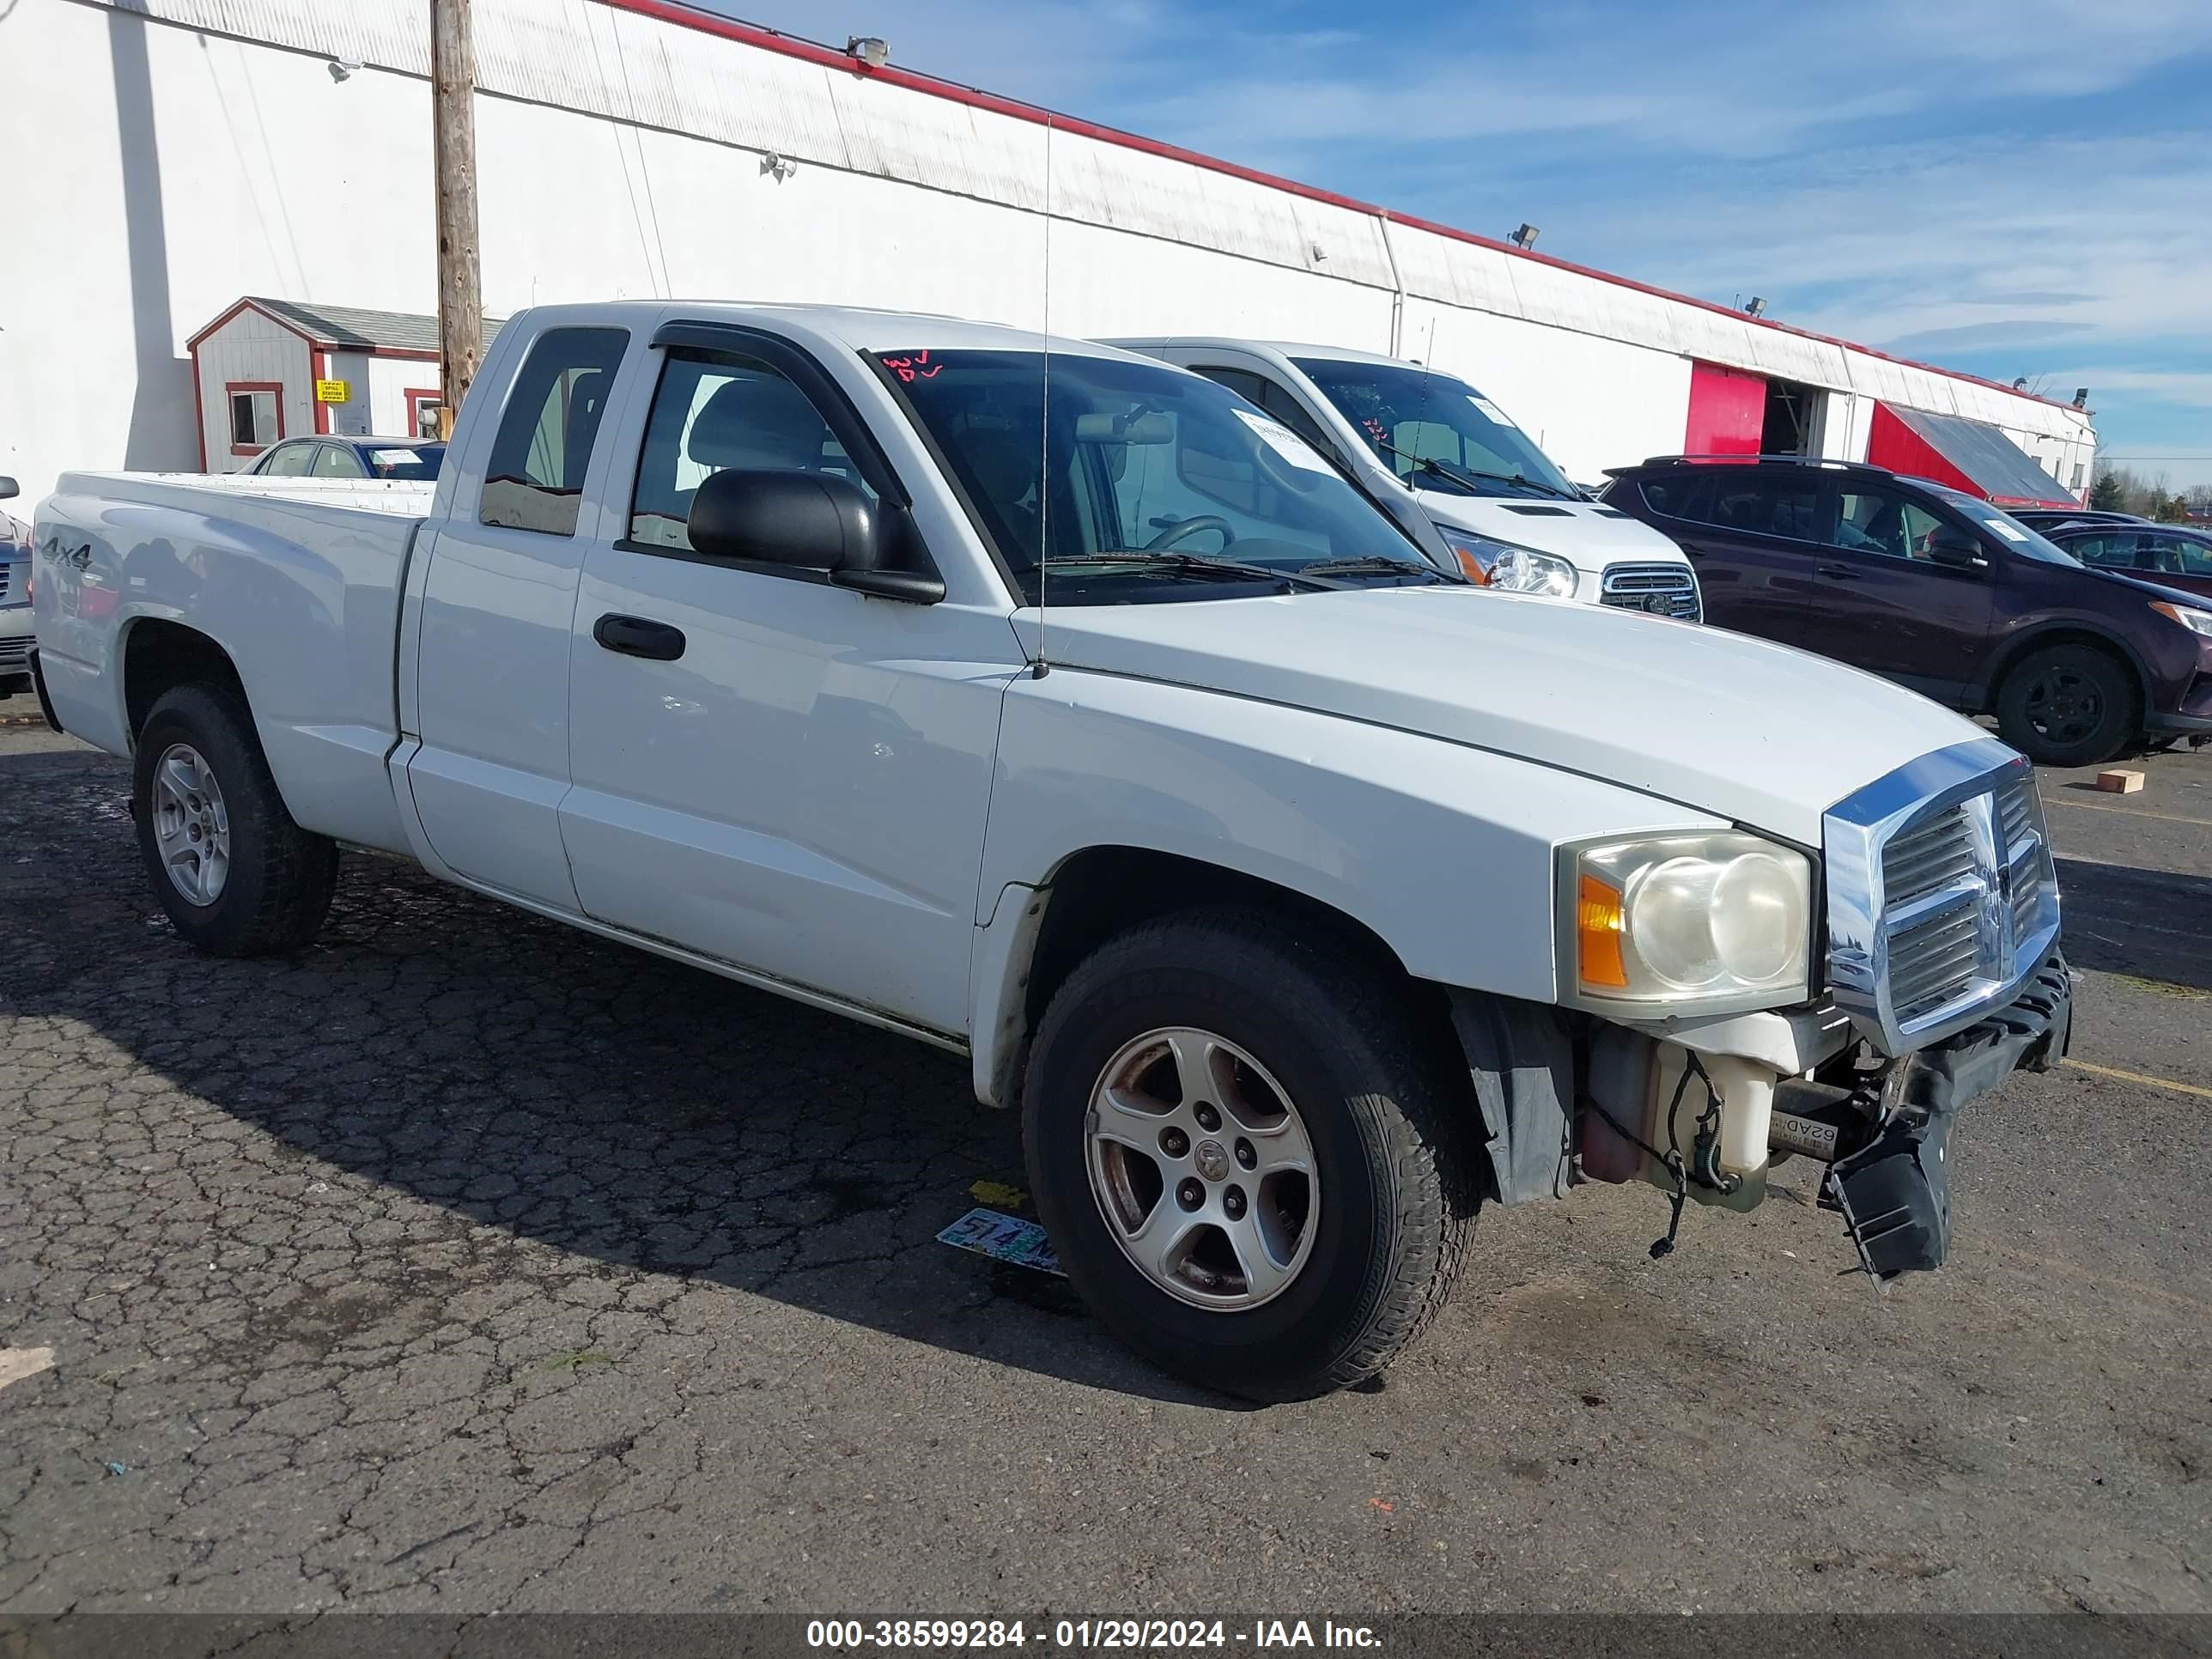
(1426,446)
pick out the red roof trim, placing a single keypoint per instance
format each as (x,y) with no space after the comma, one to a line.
(787,46)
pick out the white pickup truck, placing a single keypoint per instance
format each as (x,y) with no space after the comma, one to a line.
(1060,709)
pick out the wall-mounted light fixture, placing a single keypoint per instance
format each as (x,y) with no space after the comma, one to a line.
(1755,307)
(2081,397)
(778,167)
(342,69)
(869,49)
(1524,238)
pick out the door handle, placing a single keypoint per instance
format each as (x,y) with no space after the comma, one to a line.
(637,637)
(1840,572)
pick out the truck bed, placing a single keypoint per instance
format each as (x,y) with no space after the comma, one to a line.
(298,579)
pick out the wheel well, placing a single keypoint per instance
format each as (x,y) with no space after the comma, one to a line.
(2138,681)
(1103,891)
(159,656)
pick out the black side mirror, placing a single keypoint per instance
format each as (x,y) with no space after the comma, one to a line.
(809,521)
(9,489)
(1955,548)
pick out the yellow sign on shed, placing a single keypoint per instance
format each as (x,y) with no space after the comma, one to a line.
(334,392)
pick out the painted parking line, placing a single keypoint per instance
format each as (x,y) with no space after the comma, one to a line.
(2140,1077)
(2125,811)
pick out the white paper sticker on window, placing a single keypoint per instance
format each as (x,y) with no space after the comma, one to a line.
(393,457)
(1284,442)
(1489,408)
(2006,530)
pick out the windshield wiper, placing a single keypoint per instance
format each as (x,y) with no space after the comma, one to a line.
(1373,564)
(1470,476)
(1188,564)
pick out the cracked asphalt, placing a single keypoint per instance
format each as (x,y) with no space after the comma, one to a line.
(470,1264)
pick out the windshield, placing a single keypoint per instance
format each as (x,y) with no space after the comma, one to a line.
(1415,415)
(408,461)
(2016,536)
(1137,458)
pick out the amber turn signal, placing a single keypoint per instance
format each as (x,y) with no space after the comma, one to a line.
(1597,934)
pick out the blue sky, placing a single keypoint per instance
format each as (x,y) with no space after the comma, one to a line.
(2005,186)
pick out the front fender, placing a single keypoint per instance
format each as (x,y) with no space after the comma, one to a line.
(1443,851)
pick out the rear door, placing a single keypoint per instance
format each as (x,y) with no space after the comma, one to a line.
(1752,536)
(1891,608)
(779,773)
(498,597)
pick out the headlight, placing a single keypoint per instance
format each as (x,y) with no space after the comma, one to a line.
(2196,621)
(1713,920)
(1502,564)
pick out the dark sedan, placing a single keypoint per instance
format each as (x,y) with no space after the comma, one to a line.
(2171,555)
(350,458)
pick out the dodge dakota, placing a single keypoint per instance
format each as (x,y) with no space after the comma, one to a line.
(1062,708)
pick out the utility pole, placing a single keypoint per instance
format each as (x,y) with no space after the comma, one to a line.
(460,291)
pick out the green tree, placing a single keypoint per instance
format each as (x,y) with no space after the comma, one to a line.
(2172,510)
(2107,493)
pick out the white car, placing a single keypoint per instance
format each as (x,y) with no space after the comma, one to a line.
(1427,445)
(1301,898)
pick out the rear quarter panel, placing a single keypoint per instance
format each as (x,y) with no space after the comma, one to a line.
(302,595)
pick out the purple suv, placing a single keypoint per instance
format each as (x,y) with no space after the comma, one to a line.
(1940,591)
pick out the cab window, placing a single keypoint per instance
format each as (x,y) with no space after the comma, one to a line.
(710,414)
(544,445)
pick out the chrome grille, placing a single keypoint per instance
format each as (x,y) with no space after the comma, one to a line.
(1930,856)
(7,578)
(1661,590)
(1942,894)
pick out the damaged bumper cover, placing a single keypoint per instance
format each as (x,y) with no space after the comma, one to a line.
(1893,1190)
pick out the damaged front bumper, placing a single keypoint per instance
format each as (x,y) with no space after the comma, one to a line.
(1889,1173)
(1703,1110)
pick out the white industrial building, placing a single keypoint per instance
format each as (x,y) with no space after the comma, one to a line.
(166,158)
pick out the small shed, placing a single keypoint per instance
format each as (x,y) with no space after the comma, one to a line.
(268,369)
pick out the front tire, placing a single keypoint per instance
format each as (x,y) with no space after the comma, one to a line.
(236,875)
(2067,705)
(1249,1160)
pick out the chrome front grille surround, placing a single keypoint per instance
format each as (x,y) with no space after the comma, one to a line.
(1942,899)
(1661,590)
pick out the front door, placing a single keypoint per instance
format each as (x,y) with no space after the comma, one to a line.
(771,771)
(1923,624)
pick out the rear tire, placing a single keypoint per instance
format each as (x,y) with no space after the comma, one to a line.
(2067,705)
(236,875)
(1317,1061)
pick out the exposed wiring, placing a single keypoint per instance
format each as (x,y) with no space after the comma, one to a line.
(1672,1160)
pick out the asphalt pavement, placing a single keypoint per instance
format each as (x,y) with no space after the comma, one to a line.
(468,1263)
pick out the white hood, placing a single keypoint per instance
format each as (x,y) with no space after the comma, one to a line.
(1592,535)
(1741,728)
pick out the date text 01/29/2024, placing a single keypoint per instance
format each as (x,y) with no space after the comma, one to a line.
(1084,1634)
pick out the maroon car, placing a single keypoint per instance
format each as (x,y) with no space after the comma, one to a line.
(2172,555)
(1939,590)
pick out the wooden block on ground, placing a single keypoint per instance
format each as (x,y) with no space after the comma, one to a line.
(2119,782)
